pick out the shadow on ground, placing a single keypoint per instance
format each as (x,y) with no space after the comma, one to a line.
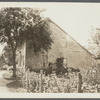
(14,84)
(11,83)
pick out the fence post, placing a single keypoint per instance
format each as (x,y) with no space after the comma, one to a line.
(41,85)
(27,80)
(79,83)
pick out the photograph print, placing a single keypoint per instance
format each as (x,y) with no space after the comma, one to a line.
(49,47)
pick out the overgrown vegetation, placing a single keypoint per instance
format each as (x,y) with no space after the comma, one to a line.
(93,75)
(50,83)
(7,55)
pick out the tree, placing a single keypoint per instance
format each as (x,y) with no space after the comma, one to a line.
(19,25)
(7,55)
(96,36)
(94,42)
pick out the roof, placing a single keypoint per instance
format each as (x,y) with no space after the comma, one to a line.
(71,37)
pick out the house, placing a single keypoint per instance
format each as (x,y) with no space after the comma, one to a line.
(64,45)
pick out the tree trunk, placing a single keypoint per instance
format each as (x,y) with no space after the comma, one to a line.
(14,64)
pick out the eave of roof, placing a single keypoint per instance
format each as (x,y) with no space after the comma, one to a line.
(70,37)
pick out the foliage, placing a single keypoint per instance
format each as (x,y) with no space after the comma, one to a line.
(60,67)
(50,83)
(19,25)
(46,70)
(59,62)
(7,54)
(2,60)
(96,36)
(94,42)
(74,69)
(37,70)
(49,69)
(92,76)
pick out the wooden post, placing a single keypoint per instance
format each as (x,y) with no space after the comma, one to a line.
(41,87)
(79,83)
(27,80)
(98,88)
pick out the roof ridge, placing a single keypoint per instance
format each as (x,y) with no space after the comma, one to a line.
(70,37)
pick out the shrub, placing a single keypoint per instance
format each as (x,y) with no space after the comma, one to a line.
(92,76)
(37,70)
(74,69)
(60,67)
(48,70)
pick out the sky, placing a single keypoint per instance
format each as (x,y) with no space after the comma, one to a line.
(77,19)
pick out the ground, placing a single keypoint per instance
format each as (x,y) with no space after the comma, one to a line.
(8,84)
(3,83)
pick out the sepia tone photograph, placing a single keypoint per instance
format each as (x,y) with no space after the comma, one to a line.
(49,47)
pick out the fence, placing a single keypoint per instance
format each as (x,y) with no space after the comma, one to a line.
(40,83)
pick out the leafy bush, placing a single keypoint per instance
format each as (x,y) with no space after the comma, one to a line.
(51,83)
(60,67)
(37,70)
(92,76)
(46,70)
(74,69)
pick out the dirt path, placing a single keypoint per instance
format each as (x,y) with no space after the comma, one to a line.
(3,83)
